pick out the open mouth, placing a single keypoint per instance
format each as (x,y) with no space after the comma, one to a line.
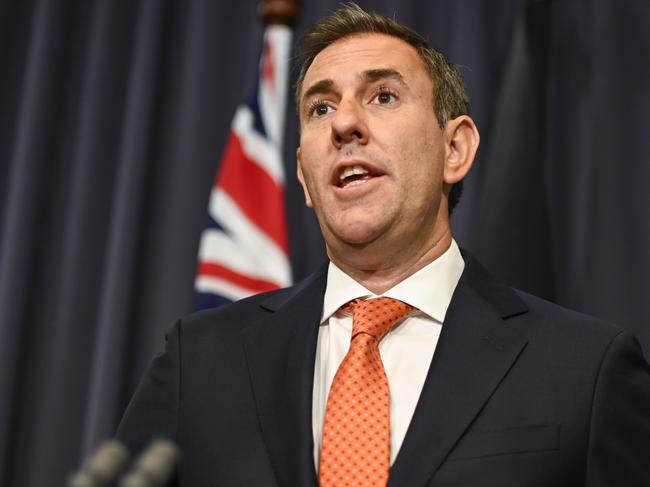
(354,175)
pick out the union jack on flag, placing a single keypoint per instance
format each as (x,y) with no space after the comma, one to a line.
(244,249)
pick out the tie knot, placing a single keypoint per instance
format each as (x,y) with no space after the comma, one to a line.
(376,316)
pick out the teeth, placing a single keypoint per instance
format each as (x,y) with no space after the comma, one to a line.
(352,171)
(356,183)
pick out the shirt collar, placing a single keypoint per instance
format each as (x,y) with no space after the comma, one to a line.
(429,289)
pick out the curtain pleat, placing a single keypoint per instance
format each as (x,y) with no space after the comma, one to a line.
(25,205)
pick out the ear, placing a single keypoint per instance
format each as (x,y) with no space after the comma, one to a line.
(461,142)
(301,178)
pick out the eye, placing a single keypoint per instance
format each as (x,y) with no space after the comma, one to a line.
(384,97)
(318,108)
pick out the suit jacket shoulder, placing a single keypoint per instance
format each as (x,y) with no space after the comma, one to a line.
(534,389)
(233,389)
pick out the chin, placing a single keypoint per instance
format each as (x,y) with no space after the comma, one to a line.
(354,229)
(358,236)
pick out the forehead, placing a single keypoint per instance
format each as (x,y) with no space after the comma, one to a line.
(352,55)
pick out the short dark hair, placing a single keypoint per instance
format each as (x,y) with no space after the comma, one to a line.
(449,96)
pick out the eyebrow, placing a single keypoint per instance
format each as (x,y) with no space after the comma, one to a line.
(372,75)
(383,73)
(322,86)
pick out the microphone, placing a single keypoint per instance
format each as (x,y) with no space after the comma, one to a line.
(154,466)
(102,467)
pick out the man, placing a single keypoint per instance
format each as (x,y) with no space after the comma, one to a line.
(476,384)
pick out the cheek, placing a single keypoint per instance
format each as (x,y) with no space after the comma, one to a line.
(312,157)
(421,172)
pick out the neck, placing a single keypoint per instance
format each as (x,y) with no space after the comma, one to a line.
(379,273)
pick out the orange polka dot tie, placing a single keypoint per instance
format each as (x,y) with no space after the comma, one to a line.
(355,448)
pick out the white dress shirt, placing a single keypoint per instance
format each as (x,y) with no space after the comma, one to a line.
(406,351)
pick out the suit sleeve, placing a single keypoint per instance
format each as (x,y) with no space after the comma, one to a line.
(619,443)
(153,410)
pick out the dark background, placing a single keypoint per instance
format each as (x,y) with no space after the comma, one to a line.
(113,115)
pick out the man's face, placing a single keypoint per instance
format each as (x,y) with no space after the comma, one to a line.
(371,151)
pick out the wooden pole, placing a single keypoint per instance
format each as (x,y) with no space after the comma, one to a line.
(279,12)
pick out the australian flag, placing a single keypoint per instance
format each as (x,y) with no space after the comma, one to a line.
(244,249)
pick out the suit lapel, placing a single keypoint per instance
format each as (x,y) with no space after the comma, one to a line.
(475,351)
(280,351)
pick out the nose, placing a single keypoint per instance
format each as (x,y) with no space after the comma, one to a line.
(349,124)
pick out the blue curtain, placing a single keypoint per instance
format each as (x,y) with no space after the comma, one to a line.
(113,115)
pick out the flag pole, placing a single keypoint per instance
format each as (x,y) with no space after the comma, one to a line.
(279,12)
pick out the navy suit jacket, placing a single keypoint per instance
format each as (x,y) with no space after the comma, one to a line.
(520,392)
